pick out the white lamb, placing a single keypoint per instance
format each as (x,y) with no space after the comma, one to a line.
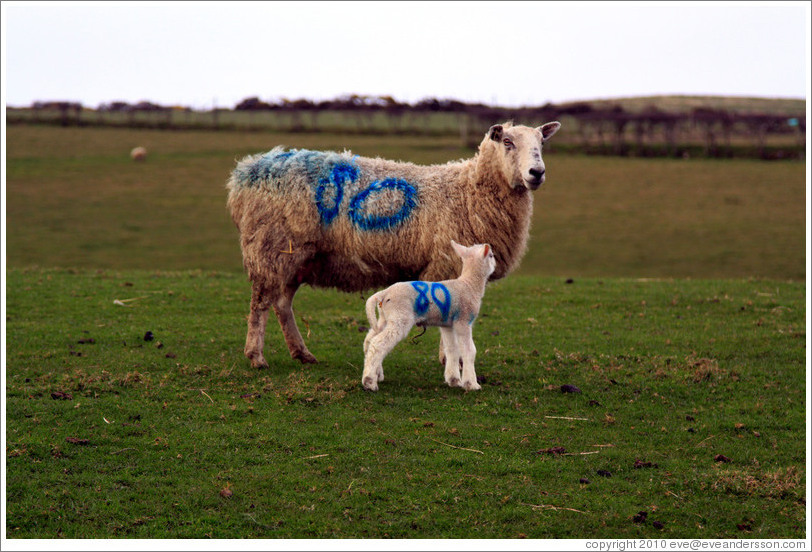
(453,305)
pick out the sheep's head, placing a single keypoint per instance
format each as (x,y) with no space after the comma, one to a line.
(519,148)
(477,255)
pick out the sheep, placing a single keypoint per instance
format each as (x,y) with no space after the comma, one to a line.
(353,223)
(453,305)
(138,153)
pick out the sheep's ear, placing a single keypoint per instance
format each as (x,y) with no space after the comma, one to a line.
(486,250)
(548,129)
(458,248)
(495,133)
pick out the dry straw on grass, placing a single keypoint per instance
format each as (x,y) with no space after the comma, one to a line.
(780,483)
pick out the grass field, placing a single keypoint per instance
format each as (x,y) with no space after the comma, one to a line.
(76,200)
(671,294)
(110,435)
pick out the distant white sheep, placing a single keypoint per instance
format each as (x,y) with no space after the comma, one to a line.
(354,223)
(138,154)
(453,305)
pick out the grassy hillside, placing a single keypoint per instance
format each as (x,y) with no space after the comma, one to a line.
(75,199)
(668,296)
(688,420)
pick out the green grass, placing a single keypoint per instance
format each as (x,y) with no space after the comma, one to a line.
(671,372)
(74,199)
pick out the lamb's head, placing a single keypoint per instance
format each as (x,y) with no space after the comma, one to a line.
(518,148)
(478,257)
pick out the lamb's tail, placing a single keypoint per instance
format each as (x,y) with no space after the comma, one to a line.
(373,303)
(375,324)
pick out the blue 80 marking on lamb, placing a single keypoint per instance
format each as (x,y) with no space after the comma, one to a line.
(422,302)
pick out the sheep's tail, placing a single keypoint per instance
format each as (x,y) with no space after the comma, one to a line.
(374,303)
(375,324)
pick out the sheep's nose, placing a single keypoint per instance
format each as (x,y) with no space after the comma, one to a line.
(537,173)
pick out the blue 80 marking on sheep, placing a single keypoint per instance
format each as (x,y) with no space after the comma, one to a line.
(366,221)
(422,301)
(329,195)
(340,174)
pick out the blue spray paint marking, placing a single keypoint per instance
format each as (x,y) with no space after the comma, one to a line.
(445,304)
(421,302)
(332,176)
(341,174)
(270,164)
(366,221)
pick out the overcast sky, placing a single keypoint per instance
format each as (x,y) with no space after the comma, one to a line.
(201,54)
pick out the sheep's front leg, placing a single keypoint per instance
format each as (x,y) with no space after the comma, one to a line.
(452,357)
(283,308)
(465,341)
(257,320)
(434,272)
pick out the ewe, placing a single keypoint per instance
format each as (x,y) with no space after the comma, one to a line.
(353,223)
(453,305)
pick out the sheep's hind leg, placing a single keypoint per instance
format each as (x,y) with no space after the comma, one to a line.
(257,320)
(379,346)
(283,308)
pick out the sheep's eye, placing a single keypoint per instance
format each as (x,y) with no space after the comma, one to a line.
(508,143)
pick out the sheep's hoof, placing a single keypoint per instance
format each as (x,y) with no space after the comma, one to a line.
(453,382)
(370,384)
(258,362)
(305,357)
(471,386)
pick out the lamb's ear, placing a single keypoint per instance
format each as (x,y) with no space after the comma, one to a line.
(495,133)
(458,248)
(486,250)
(548,129)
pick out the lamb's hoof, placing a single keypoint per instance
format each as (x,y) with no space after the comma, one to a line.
(453,382)
(471,386)
(305,357)
(370,384)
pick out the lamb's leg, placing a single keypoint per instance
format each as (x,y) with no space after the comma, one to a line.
(465,341)
(441,355)
(451,357)
(283,308)
(379,346)
(257,319)
(434,272)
